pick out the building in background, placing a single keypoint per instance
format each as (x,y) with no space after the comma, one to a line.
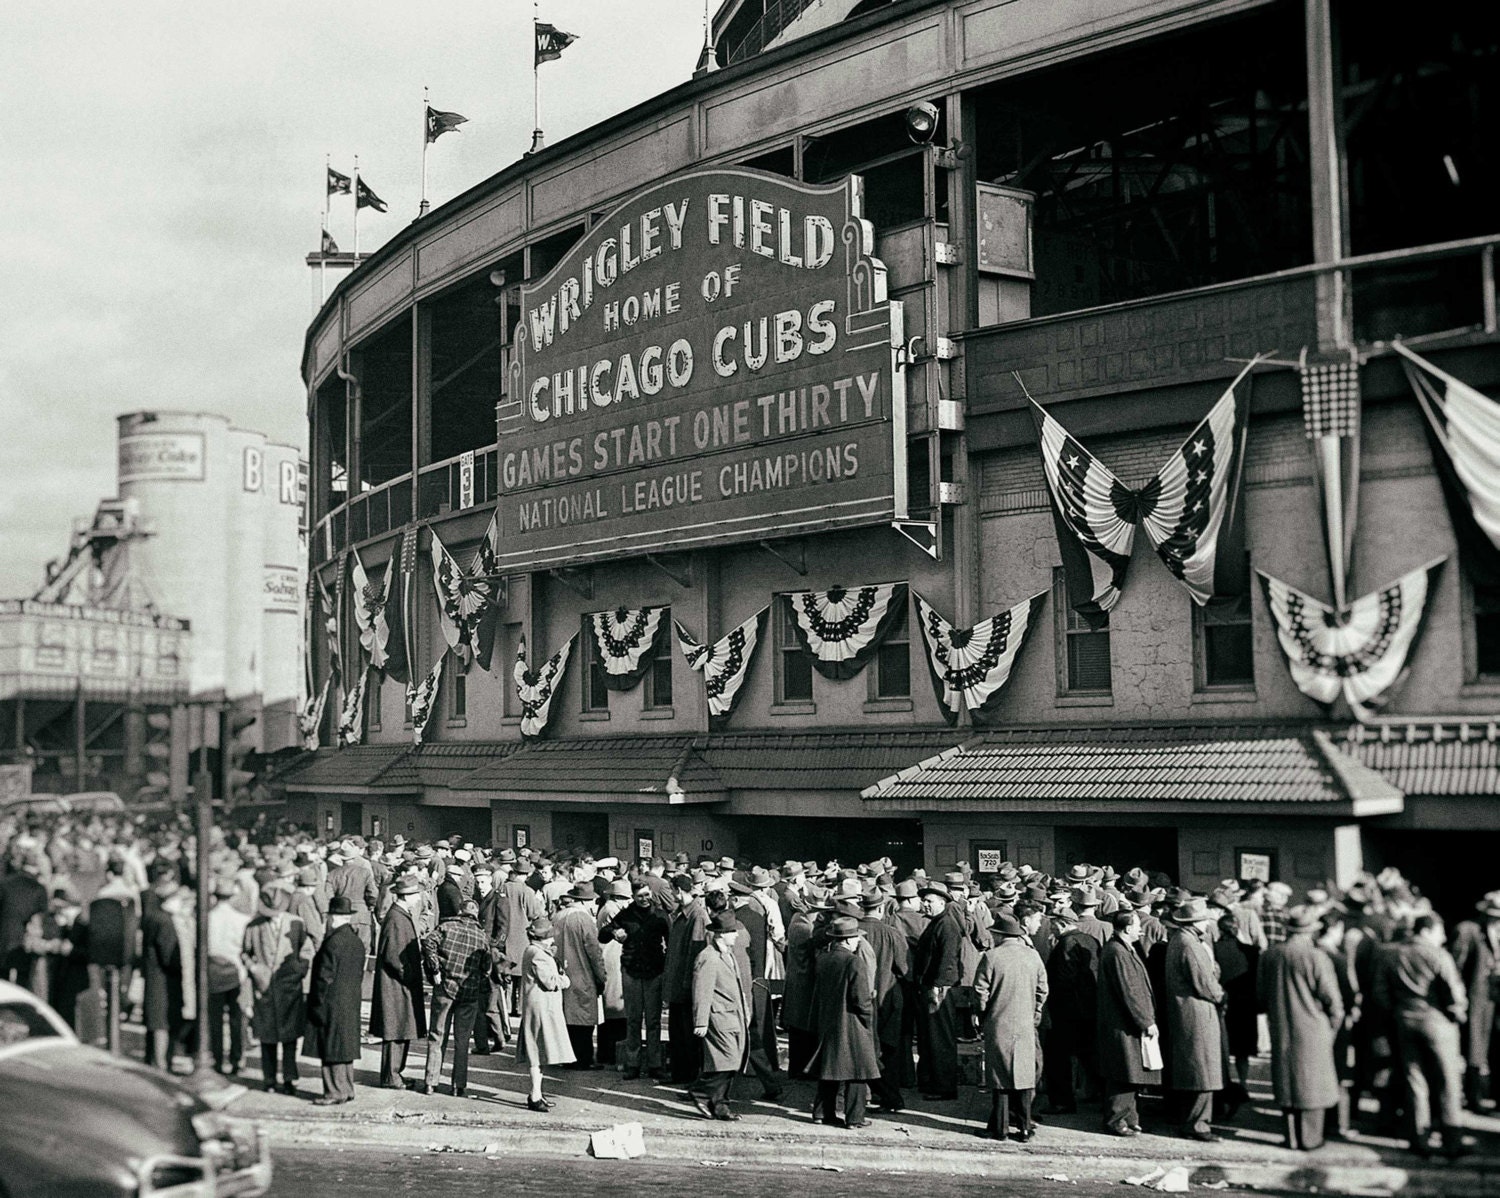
(1112,207)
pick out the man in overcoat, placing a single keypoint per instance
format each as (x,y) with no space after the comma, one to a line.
(720,1018)
(333,1003)
(687,934)
(938,968)
(1127,1017)
(1010,986)
(398,1009)
(1072,1033)
(1300,995)
(579,955)
(892,965)
(491,1029)
(1476,952)
(1194,998)
(521,905)
(353,878)
(278,952)
(844,1023)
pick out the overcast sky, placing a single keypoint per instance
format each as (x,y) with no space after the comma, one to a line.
(163,166)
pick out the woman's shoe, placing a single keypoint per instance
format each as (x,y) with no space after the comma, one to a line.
(538,1104)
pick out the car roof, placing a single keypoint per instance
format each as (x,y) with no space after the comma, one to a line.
(11,993)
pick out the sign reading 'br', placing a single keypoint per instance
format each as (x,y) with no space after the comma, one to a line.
(715,361)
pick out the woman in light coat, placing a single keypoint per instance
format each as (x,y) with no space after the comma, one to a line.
(544,1031)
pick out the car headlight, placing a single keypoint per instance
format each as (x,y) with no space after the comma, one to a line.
(231,1144)
(173,1175)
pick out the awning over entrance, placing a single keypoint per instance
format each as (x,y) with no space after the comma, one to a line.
(1431,759)
(1120,769)
(621,769)
(359,769)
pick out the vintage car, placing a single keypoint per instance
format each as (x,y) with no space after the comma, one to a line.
(78,1121)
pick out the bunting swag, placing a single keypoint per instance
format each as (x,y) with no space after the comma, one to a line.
(398,580)
(1190,509)
(1360,651)
(842,628)
(970,666)
(468,600)
(1464,428)
(352,718)
(423,698)
(625,640)
(310,718)
(537,688)
(369,609)
(725,663)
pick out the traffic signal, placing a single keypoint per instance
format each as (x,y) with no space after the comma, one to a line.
(158,753)
(238,737)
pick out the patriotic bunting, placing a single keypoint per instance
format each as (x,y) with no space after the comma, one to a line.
(970,666)
(537,688)
(468,600)
(423,699)
(310,718)
(1330,413)
(843,627)
(332,608)
(352,717)
(725,663)
(1359,651)
(625,639)
(1464,428)
(398,585)
(1189,509)
(369,609)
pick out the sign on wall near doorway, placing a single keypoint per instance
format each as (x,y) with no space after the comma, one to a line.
(1255,865)
(986,856)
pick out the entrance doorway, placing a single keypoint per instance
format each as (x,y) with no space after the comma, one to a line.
(1153,849)
(580,831)
(1453,869)
(848,841)
(351,817)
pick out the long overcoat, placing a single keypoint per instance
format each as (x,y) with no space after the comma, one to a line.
(278,952)
(892,964)
(333,998)
(1126,1009)
(802,944)
(1193,998)
(1477,966)
(161,966)
(1010,986)
(579,955)
(1305,1010)
(844,1019)
(542,1024)
(521,904)
(398,1008)
(721,1004)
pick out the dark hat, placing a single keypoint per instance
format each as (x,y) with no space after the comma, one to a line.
(929,887)
(1006,924)
(265,876)
(583,893)
(1139,896)
(339,904)
(874,901)
(722,922)
(539,928)
(1079,873)
(1192,912)
(406,884)
(842,927)
(738,887)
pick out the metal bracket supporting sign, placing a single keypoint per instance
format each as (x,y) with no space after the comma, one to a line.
(791,553)
(926,535)
(676,566)
(578,579)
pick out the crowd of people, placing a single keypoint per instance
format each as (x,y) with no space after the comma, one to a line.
(1089,987)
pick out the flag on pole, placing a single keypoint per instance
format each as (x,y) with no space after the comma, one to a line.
(422,698)
(1359,650)
(370,607)
(365,198)
(397,603)
(1464,428)
(330,246)
(352,717)
(1330,413)
(551,42)
(439,122)
(725,664)
(970,666)
(339,184)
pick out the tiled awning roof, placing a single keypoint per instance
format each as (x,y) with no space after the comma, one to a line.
(423,767)
(1432,759)
(358,768)
(624,769)
(846,760)
(1162,768)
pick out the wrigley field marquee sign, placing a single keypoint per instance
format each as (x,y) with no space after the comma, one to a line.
(715,361)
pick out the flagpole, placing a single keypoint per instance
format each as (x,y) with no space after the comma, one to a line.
(323,241)
(536,84)
(422,208)
(356,210)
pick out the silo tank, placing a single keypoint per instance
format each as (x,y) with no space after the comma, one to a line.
(284,552)
(248,500)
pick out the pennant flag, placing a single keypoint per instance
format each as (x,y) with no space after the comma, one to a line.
(970,666)
(352,718)
(423,698)
(468,600)
(330,246)
(369,609)
(310,718)
(1360,651)
(332,626)
(842,628)
(398,580)
(1330,413)
(625,640)
(1464,428)
(551,42)
(338,184)
(725,663)
(1190,510)
(365,198)
(439,123)
(537,688)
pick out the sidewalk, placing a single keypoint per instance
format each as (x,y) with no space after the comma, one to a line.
(927,1138)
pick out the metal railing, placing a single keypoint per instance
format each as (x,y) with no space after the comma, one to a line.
(439,485)
(775,17)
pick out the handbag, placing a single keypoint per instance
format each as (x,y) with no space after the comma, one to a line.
(1151,1053)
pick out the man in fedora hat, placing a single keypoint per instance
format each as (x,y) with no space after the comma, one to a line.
(1476,952)
(844,1024)
(1072,1008)
(1126,1024)
(1085,902)
(892,965)
(687,935)
(578,953)
(1304,1009)
(1193,1000)
(937,969)
(1011,988)
(333,1004)
(720,1018)
(398,1009)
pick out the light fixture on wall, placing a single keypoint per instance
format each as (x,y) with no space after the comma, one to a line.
(922,122)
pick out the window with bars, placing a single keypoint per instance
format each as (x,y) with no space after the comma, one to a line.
(793,662)
(1224,645)
(1082,651)
(893,660)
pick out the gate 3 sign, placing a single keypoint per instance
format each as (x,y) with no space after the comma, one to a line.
(715,361)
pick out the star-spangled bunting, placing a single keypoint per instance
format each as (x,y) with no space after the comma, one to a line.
(468,600)
(369,609)
(439,122)
(843,627)
(970,666)
(310,718)
(624,640)
(1190,509)
(352,717)
(1330,413)
(332,619)
(1361,651)
(398,587)
(537,688)
(551,42)
(725,663)
(422,698)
